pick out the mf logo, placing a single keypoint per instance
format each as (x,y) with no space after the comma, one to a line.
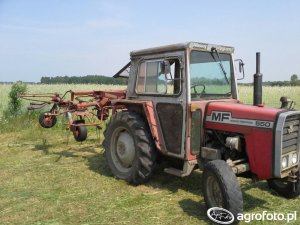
(220,116)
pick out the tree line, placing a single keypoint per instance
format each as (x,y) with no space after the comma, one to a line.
(100,79)
(294,81)
(89,79)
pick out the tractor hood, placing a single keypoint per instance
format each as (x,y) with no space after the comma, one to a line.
(237,114)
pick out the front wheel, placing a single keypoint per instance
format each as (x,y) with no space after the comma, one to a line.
(129,148)
(284,188)
(221,188)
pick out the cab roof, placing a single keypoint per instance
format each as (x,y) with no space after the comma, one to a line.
(182,46)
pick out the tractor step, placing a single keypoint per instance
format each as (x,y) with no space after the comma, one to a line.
(188,167)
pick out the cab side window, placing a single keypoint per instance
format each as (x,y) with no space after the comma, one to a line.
(161,76)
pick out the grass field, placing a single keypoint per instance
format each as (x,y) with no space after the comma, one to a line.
(48,178)
(271,95)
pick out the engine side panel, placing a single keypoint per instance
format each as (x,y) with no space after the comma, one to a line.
(256,124)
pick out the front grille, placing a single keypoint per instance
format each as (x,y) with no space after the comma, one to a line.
(286,143)
(290,133)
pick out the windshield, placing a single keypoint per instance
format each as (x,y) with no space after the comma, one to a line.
(210,75)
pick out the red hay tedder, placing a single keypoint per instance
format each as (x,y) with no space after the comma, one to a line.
(80,110)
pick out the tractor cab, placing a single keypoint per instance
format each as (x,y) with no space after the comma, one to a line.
(178,79)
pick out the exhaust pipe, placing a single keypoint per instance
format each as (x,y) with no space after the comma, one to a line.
(257,84)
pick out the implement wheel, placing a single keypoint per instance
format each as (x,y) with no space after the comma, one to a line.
(47,121)
(79,131)
(129,148)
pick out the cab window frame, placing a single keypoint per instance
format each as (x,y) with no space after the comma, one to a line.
(162,59)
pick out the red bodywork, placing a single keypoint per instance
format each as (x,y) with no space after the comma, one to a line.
(259,141)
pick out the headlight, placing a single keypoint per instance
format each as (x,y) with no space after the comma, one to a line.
(294,158)
(284,162)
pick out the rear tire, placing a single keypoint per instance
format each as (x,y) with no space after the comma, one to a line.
(221,188)
(129,147)
(284,188)
(47,121)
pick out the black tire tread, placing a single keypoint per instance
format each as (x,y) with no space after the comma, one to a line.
(144,167)
(228,182)
(82,133)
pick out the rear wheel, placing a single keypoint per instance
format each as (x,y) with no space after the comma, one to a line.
(47,121)
(284,188)
(129,148)
(221,188)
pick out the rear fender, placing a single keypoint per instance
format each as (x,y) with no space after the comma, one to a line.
(146,109)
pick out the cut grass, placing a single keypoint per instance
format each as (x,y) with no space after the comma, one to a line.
(70,184)
(55,182)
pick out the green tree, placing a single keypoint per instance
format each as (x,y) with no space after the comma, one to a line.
(294,80)
(15,104)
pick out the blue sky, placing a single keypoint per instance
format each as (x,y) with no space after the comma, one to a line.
(76,38)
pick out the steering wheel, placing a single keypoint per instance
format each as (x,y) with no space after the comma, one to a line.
(195,94)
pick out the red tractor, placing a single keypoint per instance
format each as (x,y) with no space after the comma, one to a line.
(182,103)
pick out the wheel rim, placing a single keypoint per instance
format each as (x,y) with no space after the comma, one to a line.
(48,120)
(214,193)
(123,151)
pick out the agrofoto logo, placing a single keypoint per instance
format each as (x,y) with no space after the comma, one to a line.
(223,216)
(220,215)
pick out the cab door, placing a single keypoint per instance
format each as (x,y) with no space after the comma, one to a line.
(160,79)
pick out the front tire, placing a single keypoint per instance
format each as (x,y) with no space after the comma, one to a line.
(221,188)
(129,147)
(284,188)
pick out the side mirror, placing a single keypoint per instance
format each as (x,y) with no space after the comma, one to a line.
(166,67)
(241,68)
